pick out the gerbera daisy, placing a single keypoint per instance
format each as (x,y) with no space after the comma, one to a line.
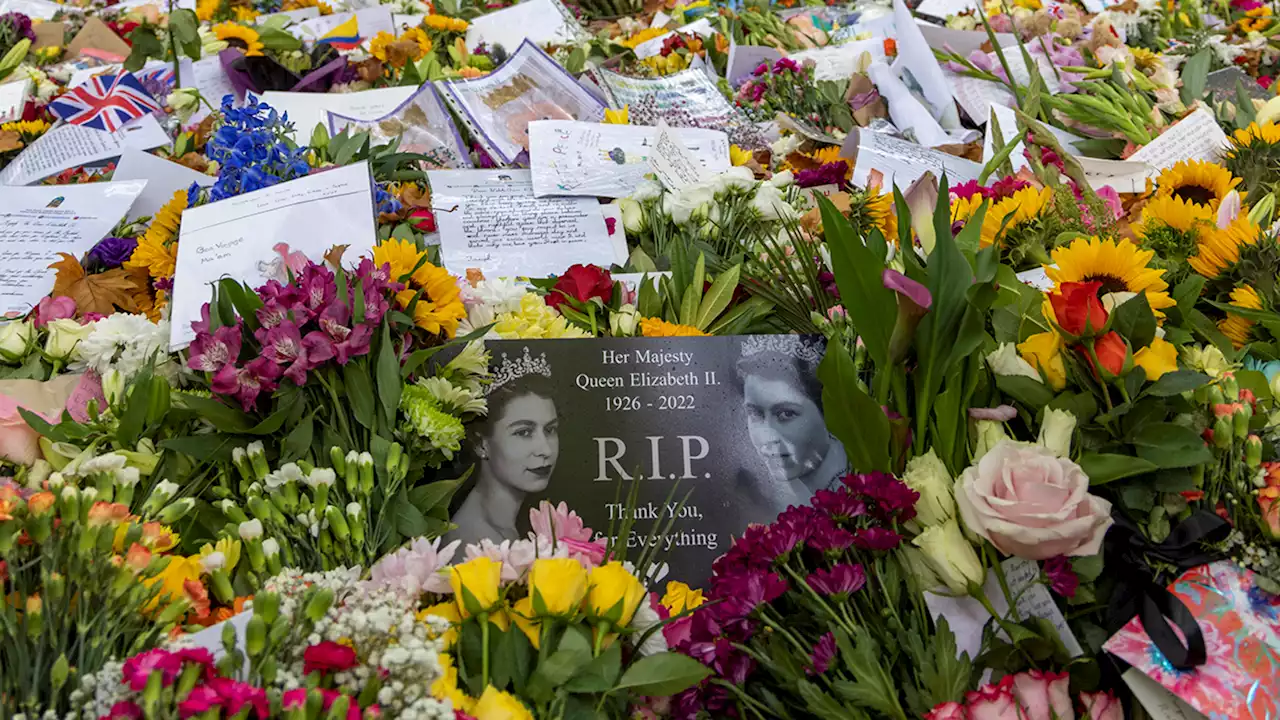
(1220,248)
(1203,183)
(657,327)
(1120,267)
(157,253)
(439,307)
(1235,327)
(239,36)
(1007,214)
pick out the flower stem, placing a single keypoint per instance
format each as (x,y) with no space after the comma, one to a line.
(484,651)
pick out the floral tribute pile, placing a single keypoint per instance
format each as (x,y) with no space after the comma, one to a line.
(1039,238)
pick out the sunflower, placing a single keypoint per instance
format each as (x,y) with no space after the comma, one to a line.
(963,208)
(657,327)
(1237,328)
(157,253)
(380,43)
(240,13)
(1254,154)
(239,36)
(26,128)
(1256,20)
(206,9)
(439,307)
(1119,266)
(1203,183)
(880,210)
(1009,213)
(444,23)
(1174,227)
(417,35)
(825,155)
(1221,247)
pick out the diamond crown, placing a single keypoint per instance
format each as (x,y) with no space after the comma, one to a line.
(523,365)
(804,349)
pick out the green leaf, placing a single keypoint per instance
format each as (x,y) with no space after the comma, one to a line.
(273,38)
(852,416)
(435,494)
(1177,382)
(1195,74)
(1105,467)
(663,674)
(572,654)
(359,393)
(1031,393)
(693,292)
(410,521)
(821,705)
(872,308)
(135,414)
(512,659)
(600,674)
(204,448)
(872,687)
(1135,322)
(387,375)
(185,28)
(223,417)
(1169,445)
(298,441)
(718,297)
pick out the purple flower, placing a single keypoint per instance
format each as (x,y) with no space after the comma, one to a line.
(827,537)
(761,69)
(843,579)
(786,64)
(839,504)
(211,352)
(829,174)
(18,26)
(823,653)
(999,413)
(749,591)
(907,288)
(1062,577)
(982,61)
(246,383)
(891,496)
(876,538)
(112,252)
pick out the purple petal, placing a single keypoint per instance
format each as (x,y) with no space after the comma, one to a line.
(1000,413)
(906,287)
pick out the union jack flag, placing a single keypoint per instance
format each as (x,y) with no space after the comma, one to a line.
(105,102)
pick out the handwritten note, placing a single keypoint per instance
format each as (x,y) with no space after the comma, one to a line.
(37,223)
(1157,700)
(676,167)
(490,220)
(163,178)
(236,237)
(838,62)
(1195,137)
(13,97)
(917,59)
(306,110)
(538,21)
(902,162)
(210,79)
(966,617)
(68,146)
(1124,176)
(592,159)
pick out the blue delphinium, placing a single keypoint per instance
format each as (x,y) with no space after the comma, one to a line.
(385,201)
(253,150)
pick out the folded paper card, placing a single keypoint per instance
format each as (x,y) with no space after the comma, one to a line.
(306,110)
(1240,679)
(68,146)
(539,21)
(421,124)
(164,178)
(685,99)
(245,237)
(37,223)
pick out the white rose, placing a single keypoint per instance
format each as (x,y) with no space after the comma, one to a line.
(184,102)
(783,179)
(1005,360)
(15,339)
(64,335)
(1056,430)
(632,215)
(951,557)
(771,205)
(928,476)
(681,205)
(1032,504)
(739,178)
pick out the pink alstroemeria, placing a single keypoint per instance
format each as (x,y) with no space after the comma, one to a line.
(211,352)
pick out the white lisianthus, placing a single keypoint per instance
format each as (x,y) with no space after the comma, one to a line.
(647,190)
(623,322)
(683,204)
(1005,360)
(771,205)
(928,476)
(15,339)
(735,178)
(64,336)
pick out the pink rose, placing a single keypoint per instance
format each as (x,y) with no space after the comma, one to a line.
(948,711)
(1030,503)
(993,702)
(51,308)
(1044,695)
(1102,706)
(19,443)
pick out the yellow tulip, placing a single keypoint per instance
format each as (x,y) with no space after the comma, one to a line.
(557,586)
(475,585)
(1156,359)
(497,705)
(614,594)
(1044,352)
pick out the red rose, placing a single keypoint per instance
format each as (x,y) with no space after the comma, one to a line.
(423,219)
(1078,310)
(581,282)
(1112,352)
(328,656)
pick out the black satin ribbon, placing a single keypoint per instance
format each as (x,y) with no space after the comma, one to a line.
(1129,554)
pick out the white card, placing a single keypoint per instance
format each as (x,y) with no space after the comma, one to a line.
(1195,137)
(37,223)
(676,167)
(660,19)
(1009,133)
(38,9)
(538,21)
(943,9)
(966,616)
(1156,698)
(68,146)
(306,110)
(960,41)
(592,159)
(406,21)
(1036,278)
(1123,175)
(651,47)
(902,162)
(210,638)
(299,15)
(490,220)
(917,58)
(236,237)
(838,62)
(13,98)
(744,59)
(909,115)
(210,79)
(618,236)
(163,177)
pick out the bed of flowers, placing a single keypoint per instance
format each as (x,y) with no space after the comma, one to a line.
(1059,395)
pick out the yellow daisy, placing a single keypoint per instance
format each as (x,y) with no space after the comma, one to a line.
(1220,248)
(239,36)
(1119,266)
(880,209)
(1012,211)
(657,327)
(1237,328)
(1203,183)
(157,253)
(1176,213)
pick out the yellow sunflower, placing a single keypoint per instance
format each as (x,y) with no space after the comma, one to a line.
(206,9)
(880,210)
(1203,183)
(445,23)
(963,208)
(1119,266)
(1173,212)
(439,307)
(157,253)
(26,128)
(379,44)
(657,327)
(244,14)
(1220,248)
(1237,328)
(1256,20)
(239,36)
(1255,134)
(1012,211)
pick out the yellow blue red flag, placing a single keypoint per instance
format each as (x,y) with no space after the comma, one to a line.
(344,37)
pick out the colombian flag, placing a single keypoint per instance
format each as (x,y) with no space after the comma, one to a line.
(344,37)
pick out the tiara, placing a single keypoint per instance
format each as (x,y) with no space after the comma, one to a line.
(509,370)
(796,346)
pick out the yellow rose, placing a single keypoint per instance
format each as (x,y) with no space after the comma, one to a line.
(557,586)
(497,705)
(681,597)
(521,613)
(1156,359)
(614,594)
(475,585)
(1044,352)
(446,686)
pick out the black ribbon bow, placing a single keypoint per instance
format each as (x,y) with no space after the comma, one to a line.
(1130,554)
